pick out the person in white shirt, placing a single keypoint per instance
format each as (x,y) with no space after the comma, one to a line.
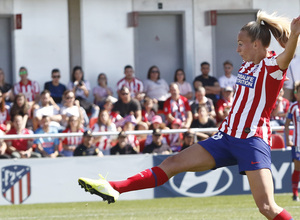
(228,79)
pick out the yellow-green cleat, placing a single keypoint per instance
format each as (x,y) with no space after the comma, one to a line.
(100,187)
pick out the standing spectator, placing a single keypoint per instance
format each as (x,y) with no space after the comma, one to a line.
(201,99)
(5,122)
(81,88)
(127,106)
(21,107)
(56,88)
(20,148)
(155,87)
(6,88)
(47,146)
(122,147)
(185,87)
(86,148)
(280,110)
(104,124)
(101,91)
(29,88)
(157,147)
(228,79)
(134,85)
(210,83)
(224,104)
(178,106)
(48,107)
(69,143)
(293,116)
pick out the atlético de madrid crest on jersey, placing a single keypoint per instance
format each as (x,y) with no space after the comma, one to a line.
(16,183)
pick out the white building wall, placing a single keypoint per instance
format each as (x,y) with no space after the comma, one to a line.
(42,44)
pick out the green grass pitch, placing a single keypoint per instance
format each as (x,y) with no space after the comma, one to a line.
(209,208)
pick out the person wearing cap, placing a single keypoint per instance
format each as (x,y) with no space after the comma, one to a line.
(228,79)
(86,148)
(224,104)
(123,146)
(177,106)
(156,123)
(157,146)
(188,139)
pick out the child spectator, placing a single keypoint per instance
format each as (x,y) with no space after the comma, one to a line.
(86,148)
(175,139)
(69,143)
(148,112)
(131,138)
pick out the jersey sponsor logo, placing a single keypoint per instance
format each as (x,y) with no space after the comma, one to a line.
(16,183)
(207,184)
(245,80)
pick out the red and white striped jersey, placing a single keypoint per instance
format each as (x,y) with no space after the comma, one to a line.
(72,140)
(294,115)
(105,141)
(256,92)
(134,86)
(30,90)
(178,108)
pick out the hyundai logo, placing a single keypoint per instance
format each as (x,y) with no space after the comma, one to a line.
(194,184)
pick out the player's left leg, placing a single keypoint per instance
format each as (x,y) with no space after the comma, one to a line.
(261,184)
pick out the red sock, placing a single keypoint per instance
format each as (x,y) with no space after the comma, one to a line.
(295,181)
(284,215)
(146,179)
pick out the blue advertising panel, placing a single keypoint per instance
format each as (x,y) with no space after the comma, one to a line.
(223,181)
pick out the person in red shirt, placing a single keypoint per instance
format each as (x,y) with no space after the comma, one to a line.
(20,148)
(177,106)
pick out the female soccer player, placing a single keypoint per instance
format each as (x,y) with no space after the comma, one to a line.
(244,136)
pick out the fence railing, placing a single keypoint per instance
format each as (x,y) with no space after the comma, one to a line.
(136,132)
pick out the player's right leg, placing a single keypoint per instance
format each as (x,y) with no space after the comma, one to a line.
(194,158)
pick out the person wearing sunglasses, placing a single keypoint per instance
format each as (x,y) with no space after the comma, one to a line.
(56,88)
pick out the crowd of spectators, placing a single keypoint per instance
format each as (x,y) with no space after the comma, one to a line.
(151,104)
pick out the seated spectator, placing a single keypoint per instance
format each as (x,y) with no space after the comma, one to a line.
(224,104)
(5,123)
(127,106)
(29,88)
(72,107)
(47,107)
(203,121)
(142,137)
(101,92)
(228,79)
(104,124)
(178,106)
(56,88)
(156,123)
(122,147)
(155,87)
(20,148)
(174,140)
(3,147)
(131,138)
(69,143)
(148,112)
(210,83)
(47,146)
(280,110)
(86,148)
(108,106)
(188,139)
(201,99)
(21,107)
(185,87)
(5,88)
(157,147)
(134,85)
(81,88)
